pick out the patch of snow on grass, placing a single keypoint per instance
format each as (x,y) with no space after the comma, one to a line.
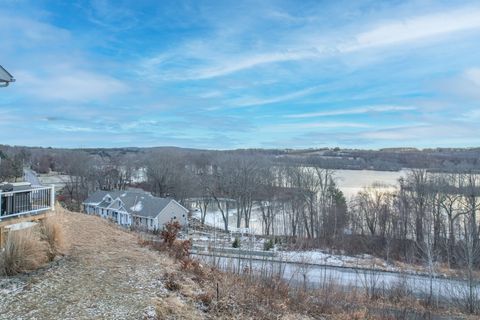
(21,226)
(337,260)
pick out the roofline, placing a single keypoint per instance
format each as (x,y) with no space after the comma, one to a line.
(93,203)
(6,81)
(185,209)
(113,200)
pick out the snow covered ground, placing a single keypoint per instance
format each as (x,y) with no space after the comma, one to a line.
(321,257)
(214,219)
(317,257)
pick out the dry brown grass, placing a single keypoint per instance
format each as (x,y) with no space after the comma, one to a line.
(28,249)
(173,307)
(52,233)
(24,251)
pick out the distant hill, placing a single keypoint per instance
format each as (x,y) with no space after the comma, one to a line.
(389,159)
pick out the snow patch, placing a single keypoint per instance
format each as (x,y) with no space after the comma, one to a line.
(20,226)
(137,207)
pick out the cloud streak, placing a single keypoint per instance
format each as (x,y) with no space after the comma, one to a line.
(71,85)
(352,111)
(390,33)
(416,28)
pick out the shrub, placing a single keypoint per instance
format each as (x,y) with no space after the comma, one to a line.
(171,282)
(52,234)
(23,252)
(268,245)
(236,243)
(194,267)
(205,298)
(181,249)
(170,232)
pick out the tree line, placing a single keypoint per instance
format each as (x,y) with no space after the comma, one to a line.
(428,215)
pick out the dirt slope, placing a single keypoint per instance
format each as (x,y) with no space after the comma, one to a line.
(105,275)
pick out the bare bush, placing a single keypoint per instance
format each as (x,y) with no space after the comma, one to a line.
(170,232)
(171,282)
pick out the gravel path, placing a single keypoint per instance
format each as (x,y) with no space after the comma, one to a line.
(105,275)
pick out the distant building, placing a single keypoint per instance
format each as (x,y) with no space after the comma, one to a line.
(135,208)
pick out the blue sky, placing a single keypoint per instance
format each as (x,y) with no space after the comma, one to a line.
(240,74)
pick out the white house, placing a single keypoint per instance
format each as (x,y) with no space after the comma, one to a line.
(135,208)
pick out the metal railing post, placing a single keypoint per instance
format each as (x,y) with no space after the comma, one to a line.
(52,197)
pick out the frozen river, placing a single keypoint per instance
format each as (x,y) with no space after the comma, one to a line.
(350,182)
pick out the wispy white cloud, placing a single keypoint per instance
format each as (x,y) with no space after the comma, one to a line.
(22,31)
(8,117)
(465,85)
(211,63)
(285,127)
(473,75)
(415,28)
(351,111)
(72,128)
(70,84)
(251,101)
(234,64)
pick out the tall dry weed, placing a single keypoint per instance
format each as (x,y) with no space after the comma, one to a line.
(23,252)
(52,234)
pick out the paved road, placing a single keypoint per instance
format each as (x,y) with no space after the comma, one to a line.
(297,273)
(31,176)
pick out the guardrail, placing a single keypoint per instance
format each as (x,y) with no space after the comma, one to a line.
(231,251)
(26,202)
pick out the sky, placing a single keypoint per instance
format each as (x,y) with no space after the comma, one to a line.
(241,74)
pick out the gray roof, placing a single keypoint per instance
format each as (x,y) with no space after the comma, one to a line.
(135,202)
(5,76)
(96,197)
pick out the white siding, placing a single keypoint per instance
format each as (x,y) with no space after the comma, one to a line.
(172,212)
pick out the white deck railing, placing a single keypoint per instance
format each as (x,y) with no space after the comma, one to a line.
(30,201)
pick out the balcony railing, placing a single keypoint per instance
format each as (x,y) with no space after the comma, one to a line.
(30,201)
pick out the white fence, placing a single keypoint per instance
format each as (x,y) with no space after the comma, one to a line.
(29,201)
